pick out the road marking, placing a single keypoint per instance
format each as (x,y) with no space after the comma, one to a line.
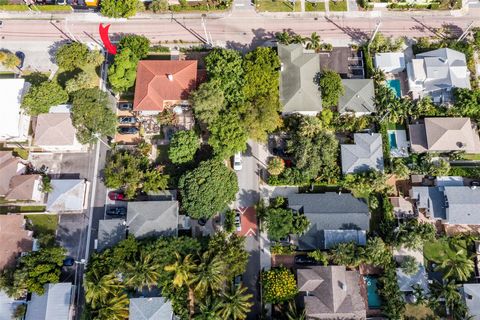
(92,199)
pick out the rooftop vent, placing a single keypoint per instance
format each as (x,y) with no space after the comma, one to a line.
(170,76)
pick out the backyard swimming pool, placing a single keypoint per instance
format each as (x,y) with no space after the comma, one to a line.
(392,140)
(394,84)
(374,300)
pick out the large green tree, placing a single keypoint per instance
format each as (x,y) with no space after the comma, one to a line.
(261,72)
(123,71)
(208,101)
(236,305)
(71,55)
(227,135)
(119,8)
(83,80)
(138,44)
(92,115)
(281,222)
(262,116)
(183,146)
(208,189)
(331,87)
(40,98)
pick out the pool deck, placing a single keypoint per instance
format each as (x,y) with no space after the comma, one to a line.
(363,293)
(402,76)
(402,144)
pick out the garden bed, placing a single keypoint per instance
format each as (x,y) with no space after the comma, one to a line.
(277,6)
(314,6)
(340,5)
(43,223)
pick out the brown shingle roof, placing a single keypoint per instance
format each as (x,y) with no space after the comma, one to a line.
(160,80)
(23,187)
(9,166)
(14,239)
(54,129)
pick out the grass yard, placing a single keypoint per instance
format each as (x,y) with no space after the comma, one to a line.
(314,6)
(277,6)
(417,311)
(340,5)
(473,173)
(438,250)
(43,223)
(395,126)
(22,7)
(20,209)
(471,156)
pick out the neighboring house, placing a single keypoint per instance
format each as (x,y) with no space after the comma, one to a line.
(390,62)
(162,84)
(299,91)
(407,283)
(402,208)
(346,61)
(435,73)
(152,218)
(334,218)
(444,135)
(54,132)
(8,306)
(110,232)
(366,154)
(15,123)
(56,303)
(10,166)
(14,239)
(331,293)
(25,188)
(359,97)
(67,195)
(157,308)
(471,296)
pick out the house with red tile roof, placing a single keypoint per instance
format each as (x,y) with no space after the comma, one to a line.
(162,84)
(14,239)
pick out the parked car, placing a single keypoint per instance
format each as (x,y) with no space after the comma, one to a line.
(238,221)
(127,130)
(305,260)
(127,120)
(21,56)
(125,106)
(68,262)
(475,184)
(117,211)
(237,161)
(115,195)
(237,281)
(202,221)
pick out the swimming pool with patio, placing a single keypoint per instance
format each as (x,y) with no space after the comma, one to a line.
(374,299)
(394,84)
(398,143)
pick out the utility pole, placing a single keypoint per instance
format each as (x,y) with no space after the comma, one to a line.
(377,27)
(464,34)
(204,25)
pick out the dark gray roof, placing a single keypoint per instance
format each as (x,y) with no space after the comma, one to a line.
(53,304)
(366,154)
(359,96)
(157,308)
(110,232)
(152,218)
(407,282)
(471,295)
(298,89)
(330,211)
(430,199)
(332,292)
(463,205)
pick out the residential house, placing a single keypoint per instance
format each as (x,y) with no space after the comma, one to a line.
(10,166)
(334,218)
(56,303)
(346,61)
(471,296)
(156,308)
(25,188)
(331,293)
(436,73)
(444,135)
(152,218)
(359,97)
(14,239)
(110,232)
(390,62)
(366,154)
(15,122)
(54,132)
(163,84)
(8,306)
(402,207)
(407,283)
(67,196)
(299,91)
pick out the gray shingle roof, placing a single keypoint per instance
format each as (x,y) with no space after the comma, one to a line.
(110,232)
(407,282)
(430,199)
(54,304)
(150,309)
(359,96)
(366,154)
(152,218)
(463,205)
(298,90)
(471,295)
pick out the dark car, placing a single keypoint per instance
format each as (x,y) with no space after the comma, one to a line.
(117,211)
(21,56)
(125,106)
(127,130)
(115,195)
(68,262)
(305,260)
(202,221)
(237,281)
(475,184)
(127,120)
(238,221)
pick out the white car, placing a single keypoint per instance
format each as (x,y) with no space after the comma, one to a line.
(237,161)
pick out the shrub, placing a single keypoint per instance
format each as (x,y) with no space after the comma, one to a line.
(276,166)
(279,285)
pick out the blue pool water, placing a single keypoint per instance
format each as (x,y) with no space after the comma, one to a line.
(392,140)
(374,300)
(394,84)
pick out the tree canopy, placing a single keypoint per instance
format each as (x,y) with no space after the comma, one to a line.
(183,146)
(92,115)
(83,80)
(227,135)
(207,189)
(40,98)
(119,8)
(138,44)
(208,101)
(71,55)
(331,87)
(123,71)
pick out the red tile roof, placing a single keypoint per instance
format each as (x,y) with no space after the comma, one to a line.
(153,85)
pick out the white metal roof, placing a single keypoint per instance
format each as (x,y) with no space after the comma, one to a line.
(11,93)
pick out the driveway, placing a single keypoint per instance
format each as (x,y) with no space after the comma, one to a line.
(71,233)
(63,165)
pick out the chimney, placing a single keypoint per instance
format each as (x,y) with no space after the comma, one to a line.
(170,76)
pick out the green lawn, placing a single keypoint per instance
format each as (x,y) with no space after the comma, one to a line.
(18,209)
(465,172)
(22,7)
(417,311)
(471,156)
(340,5)
(317,6)
(43,223)
(395,126)
(277,6)
(438,250)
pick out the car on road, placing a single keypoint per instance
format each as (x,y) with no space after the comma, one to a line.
(125,106)
(304,260)
(475,184)
(127,120)
(21,57)
(237,161)
(1,23)
(238,221)
(117,211)
(68,262)
(127,130)
(115,195)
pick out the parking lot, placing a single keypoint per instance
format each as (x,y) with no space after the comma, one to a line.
(125,112)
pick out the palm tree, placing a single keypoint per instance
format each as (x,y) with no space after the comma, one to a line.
(210,274)
(448,291)
(296,38)
(293,313)
(236,305)
(313,42)
(458,266)
(283,37)
(98,287)
(209,309)
(143,272)
(114,308)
